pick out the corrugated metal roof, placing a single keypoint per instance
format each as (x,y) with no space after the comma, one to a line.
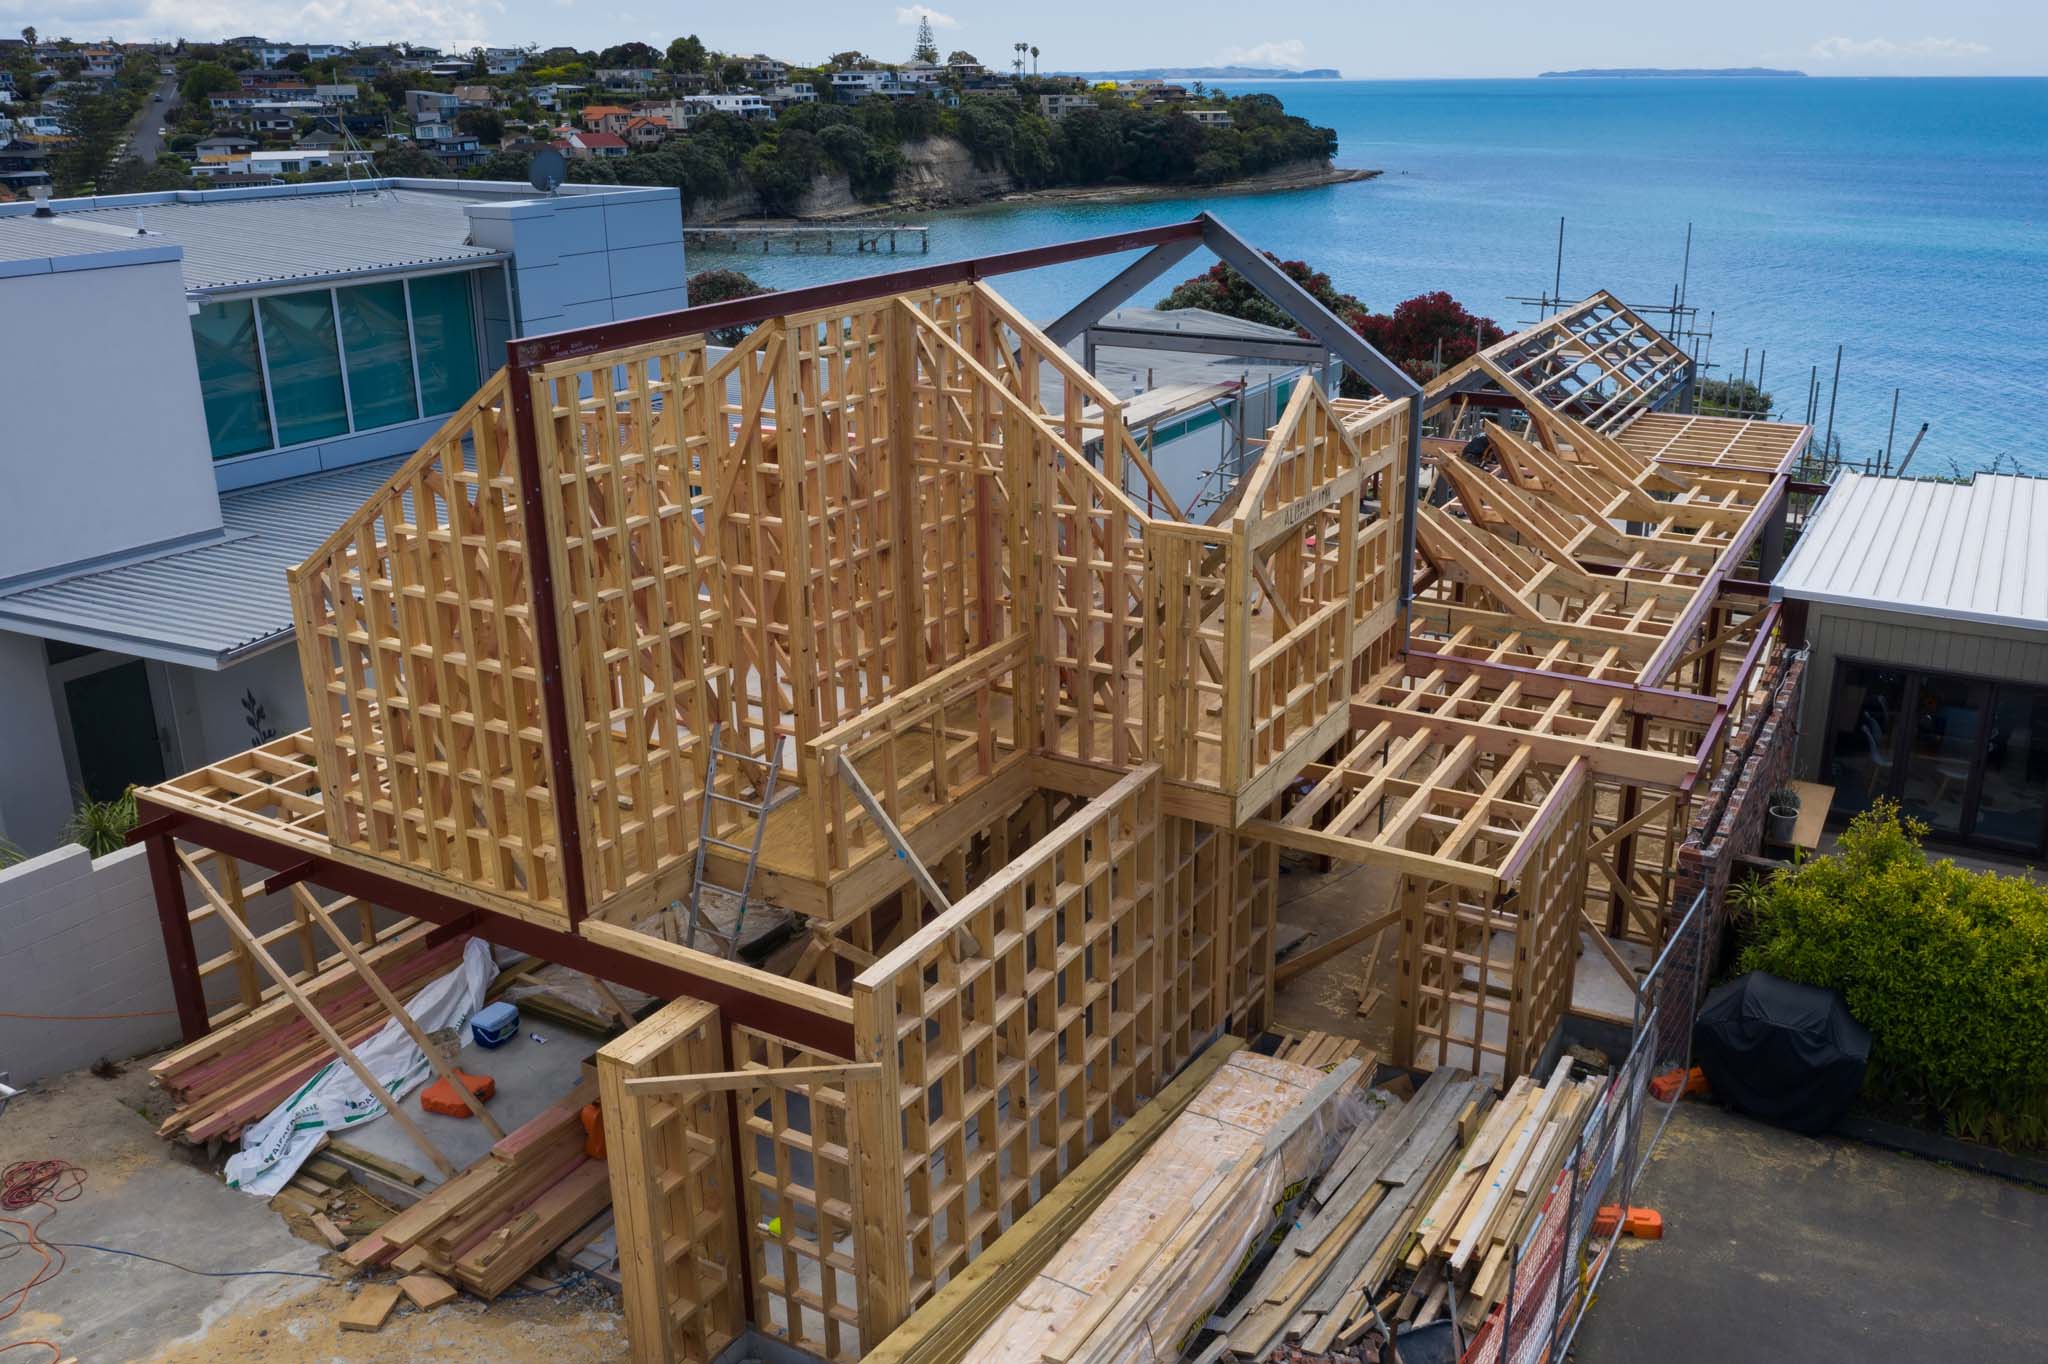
(209,604)
(236,243)
(1973,551)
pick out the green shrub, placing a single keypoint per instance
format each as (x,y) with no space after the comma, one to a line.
(1948,968)
(101,826)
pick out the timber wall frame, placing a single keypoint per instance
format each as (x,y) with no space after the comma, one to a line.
(1098,726)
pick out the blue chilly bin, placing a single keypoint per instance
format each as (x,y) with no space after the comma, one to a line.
(495,1024)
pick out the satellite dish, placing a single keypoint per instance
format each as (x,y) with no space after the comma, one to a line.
(547,170)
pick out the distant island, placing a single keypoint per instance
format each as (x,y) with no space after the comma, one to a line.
(1210,73)
(1670,73)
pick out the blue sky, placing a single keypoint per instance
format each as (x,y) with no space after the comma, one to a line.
(1376,39)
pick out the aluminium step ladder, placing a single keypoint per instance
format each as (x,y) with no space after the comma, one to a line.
(698,924)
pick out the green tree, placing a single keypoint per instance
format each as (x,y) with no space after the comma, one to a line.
(294,61)
(1221,289)
(686,54)
(488,125)
(722,286)
(1731,397)
(927,49)
(957,57)
(408,161)
(206,78)
(633,54)
(133,175)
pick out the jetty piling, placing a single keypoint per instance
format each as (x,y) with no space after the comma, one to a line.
(863,238)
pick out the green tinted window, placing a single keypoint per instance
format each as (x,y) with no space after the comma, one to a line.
(445,335)
(231,378)
(379,356)
(305,366)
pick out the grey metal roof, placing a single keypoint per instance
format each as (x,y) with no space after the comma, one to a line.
(234,243)
(210,604)
(1975,551)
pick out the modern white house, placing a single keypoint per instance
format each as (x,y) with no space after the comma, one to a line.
(199,386)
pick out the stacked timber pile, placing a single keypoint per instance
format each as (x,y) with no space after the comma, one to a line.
(1321,1286)
(486,1228)
(1134,1280)
(1493,1197)
(1323,1051)
(237,1074)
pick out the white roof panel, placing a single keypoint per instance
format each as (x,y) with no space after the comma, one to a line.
(1974,551)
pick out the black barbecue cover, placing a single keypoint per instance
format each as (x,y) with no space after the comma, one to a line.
(1785,1053)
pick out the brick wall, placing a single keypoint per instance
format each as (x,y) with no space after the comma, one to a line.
(80,936)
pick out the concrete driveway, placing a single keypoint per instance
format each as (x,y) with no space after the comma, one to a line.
(1782,1247)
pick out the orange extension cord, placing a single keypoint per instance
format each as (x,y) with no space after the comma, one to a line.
(30,1184)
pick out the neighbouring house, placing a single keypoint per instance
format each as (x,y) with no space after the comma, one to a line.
(224,145)
(476,96)
(431,106)
(343,93)
(1209,118)
(24,162)
(739,106)
(453,146)
(628,80)
(649,131)
(277,349)
(595,146)
(851,87)
(551,96)
(761,69)
(606,118)
(267,116)
(270,165)
(1059,106)
(782,96)
(1924,604)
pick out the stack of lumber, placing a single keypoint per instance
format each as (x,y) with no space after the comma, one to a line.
(237,1074)
(1140,1273)
(1323,1051)
(1493,1196)
(941,1331)
(1321,1286)
(489,1226)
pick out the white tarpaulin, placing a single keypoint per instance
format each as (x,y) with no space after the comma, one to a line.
(334,1099)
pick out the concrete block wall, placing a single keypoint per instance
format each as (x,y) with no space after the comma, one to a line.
(79,935)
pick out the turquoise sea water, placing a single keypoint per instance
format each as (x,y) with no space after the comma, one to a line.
(1904,219)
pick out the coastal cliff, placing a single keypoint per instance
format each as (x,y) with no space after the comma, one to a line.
(939,172)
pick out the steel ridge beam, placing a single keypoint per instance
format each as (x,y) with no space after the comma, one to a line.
(530,351)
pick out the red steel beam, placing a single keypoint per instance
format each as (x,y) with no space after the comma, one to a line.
(167,882)
(547,639)
(550,944)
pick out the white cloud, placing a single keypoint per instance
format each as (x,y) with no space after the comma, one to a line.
(1288,52)
(910,14)
(450,24)
(1884,49)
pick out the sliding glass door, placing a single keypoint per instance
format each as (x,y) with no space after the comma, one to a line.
(1967,756)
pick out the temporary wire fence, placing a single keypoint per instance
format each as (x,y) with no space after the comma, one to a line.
(1556,1269)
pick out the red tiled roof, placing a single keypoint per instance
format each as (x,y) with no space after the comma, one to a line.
(602,139)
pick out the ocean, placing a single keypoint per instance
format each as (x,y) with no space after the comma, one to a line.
(1905,220)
